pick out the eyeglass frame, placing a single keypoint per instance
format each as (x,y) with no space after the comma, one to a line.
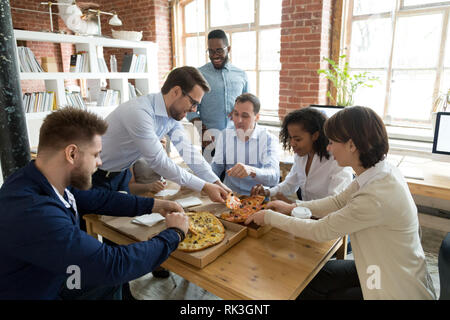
(214,51)
(194,102)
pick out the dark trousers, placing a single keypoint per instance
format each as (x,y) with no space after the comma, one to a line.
(92,293)
(113,182)
(338,280)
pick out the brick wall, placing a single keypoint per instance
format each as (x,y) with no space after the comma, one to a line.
(150,16)
(305,40)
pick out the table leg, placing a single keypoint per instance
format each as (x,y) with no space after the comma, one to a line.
(341,253)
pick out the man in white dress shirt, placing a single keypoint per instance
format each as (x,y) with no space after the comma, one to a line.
(247,153)
(137,126)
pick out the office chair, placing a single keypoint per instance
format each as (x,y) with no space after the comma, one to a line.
(444,268)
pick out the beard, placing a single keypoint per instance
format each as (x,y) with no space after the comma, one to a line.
(175,114)
(81,179)
(225,60)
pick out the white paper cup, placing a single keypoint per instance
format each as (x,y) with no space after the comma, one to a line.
(301,213)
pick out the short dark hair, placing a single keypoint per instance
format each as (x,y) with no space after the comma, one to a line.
(365,128)
(69,125)
(312,121)
(185,77)
(249,97)
(219,34)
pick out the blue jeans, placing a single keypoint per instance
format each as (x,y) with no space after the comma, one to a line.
(118,182)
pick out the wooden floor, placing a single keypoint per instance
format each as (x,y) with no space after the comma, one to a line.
(176,288)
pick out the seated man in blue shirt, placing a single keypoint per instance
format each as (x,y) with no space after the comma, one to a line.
(247,153)
(44,253)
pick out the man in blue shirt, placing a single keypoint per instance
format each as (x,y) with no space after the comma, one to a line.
(226,82)
(44,254)
(247,153)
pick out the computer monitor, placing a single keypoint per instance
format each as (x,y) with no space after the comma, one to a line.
(327,110)
(441,141)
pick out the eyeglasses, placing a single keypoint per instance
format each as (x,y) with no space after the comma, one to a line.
(219,51)
(195,103)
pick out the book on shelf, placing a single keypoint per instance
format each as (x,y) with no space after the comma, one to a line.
(74,99)
(134,63)
(79,62)
(133,91)
(102,67)
(39,101)
(28,61)
(109,97)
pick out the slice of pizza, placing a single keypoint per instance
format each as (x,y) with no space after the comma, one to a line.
(232,202)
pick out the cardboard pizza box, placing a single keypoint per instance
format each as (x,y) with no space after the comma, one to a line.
(217,209)
(233,234)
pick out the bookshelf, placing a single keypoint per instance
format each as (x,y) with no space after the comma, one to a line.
(146,82)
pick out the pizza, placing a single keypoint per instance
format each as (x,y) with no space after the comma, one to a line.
(232,202)
(205,231)
(249,205)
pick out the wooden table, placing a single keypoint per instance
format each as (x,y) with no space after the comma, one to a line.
(275,266)
(435,174)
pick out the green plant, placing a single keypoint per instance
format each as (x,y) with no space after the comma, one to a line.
(345,83)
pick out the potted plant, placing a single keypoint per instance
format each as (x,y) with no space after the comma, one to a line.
(345,83)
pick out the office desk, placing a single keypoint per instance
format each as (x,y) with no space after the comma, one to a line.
(435,175)
(275,266)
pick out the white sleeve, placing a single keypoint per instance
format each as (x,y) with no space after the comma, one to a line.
(141,130)
(359,213)
(192,157)
(290,184)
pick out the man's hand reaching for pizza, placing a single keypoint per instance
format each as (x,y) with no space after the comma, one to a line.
(165,207)
(241,170)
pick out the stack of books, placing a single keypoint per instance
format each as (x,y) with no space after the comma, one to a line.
(74,99)
(79,62)
(28,61)
(135,63)
(108,98)
(133,91)
(39,101)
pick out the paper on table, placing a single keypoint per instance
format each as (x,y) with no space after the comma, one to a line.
(167,192)
(189,202)
(148,219)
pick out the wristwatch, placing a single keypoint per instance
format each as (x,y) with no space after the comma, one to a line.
(180,233)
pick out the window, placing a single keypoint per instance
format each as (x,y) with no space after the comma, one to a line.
(406,44)
(253,29)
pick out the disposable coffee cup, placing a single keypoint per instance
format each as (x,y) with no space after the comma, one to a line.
(301,213)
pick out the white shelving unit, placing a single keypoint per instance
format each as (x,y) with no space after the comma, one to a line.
(146,82)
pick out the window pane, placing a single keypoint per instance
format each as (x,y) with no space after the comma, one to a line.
(251,75)
(229,12)
(447,49)
(194,16)
(372,97)
(411,94)
(370,43)
(243,49)
(445,87)
(269,84)
(269,49)
(269,12)
(417,41)
(372,6)
(195,51)
(421,2)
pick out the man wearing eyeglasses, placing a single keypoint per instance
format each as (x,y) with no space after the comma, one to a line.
(137,126)
(227,82)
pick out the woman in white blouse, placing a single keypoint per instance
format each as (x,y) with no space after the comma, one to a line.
(378,212)
(314,171)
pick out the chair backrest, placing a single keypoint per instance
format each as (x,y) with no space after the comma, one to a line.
(444,268)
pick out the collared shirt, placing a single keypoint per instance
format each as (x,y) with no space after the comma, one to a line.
(135,130)
(325,178)
(260,151)
(70,203)
(378,171)
(226,85)
(40,238)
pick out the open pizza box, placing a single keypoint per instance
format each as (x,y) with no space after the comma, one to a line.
(217,209)
(233,234)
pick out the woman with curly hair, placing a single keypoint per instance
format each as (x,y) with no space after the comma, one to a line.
(314,171)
